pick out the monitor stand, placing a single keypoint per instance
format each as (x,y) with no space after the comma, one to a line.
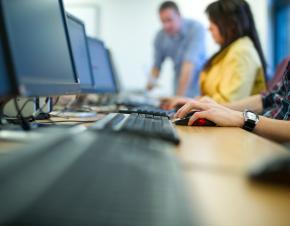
(74,109)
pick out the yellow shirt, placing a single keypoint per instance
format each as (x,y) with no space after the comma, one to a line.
(234,74)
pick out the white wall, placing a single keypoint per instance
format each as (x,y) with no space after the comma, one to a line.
(128,27)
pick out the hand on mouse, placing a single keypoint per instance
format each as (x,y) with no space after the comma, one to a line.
(172,102)
(206,99)
(212,111)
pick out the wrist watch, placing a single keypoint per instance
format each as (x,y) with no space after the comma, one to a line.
(251,120)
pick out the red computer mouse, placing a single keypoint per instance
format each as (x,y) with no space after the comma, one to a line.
(199,122)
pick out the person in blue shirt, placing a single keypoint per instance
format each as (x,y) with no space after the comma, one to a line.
(183,41)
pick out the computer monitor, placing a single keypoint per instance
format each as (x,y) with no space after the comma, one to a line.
(39,51)
(81,55)
(104,81)
(5,82)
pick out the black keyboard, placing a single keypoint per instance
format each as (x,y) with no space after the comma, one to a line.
(133,104)
(143,124)
(90,179)
(138,102)
(150,111)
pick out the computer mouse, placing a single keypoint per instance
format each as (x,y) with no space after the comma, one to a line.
(199,122)
(276,171)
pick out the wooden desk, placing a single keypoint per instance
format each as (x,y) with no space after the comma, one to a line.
(230,200)
(230,150)
(215,162)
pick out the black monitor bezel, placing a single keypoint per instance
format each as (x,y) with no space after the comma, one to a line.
(13,91)
(11,87)
(114,71)
(84,87)
(102,91)
(41,90)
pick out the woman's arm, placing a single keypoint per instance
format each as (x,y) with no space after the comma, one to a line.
(270,128)
(253,103)
(277,130)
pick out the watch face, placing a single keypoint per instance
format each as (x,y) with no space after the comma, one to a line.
(251,116)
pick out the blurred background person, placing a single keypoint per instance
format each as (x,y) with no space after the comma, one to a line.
(129,27)
(183,41)
(238,69)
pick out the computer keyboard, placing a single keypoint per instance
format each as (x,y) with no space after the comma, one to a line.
(143,124)
(129,103)
(150,111)
(137,101)
(92,178)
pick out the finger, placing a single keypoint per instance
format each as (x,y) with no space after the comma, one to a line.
(172,104)
(178,113)
(198,115)
(193,105)
(164,102)
(183,111)
(205,100)
(167,107)
(164,106)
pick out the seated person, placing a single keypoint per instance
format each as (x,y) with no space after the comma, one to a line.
(274,107)
(237,70)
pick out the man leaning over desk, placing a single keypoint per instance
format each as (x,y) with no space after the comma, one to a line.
(183,41)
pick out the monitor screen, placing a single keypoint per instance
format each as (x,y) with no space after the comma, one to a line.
(39,47)
(5,86)
(81,55)
(104,81)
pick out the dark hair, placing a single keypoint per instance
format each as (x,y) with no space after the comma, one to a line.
(234,20)
(169,5)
